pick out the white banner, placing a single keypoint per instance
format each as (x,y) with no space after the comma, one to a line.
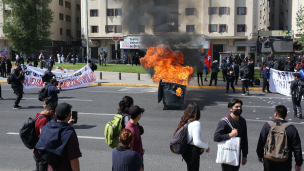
(279,81)
(80,78)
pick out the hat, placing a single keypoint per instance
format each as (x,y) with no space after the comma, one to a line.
(135,111)
(214,62)
(63,110)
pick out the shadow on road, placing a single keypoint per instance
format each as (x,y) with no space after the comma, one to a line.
(83,126)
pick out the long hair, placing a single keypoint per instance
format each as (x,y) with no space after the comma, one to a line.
(191,113)
(125,104)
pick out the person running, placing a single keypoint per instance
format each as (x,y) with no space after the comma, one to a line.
(296,98)
(230,80)
(224,132)
(196,146)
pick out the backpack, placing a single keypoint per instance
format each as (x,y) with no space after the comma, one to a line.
(112,131)
(27,133)
(94,66)
(224,66)
(300,89)
(43,93)
(276,147)
(178,143)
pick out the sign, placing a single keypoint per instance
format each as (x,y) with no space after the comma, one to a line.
(91,44)
(245,43)
(131,43)
(263,40)
(80,78)
(279,81)
(201,48)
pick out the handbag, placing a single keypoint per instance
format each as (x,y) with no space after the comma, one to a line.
(228,151)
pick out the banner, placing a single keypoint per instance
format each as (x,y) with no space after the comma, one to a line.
(80,78)
(279,81)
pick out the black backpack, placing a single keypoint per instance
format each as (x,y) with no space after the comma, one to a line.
(94,66)
(27,133)
(43,93)
(246,72)
(178,143)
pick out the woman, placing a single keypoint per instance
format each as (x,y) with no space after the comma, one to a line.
(123,159)
(196,145)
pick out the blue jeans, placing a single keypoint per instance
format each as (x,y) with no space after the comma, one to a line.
(74,61)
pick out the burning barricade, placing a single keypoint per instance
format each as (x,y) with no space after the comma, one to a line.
(173,78)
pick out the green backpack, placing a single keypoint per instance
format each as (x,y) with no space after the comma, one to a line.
(112,131)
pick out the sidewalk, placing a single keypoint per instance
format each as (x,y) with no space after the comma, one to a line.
(131,79)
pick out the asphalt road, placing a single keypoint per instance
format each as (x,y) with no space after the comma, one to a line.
(97,105)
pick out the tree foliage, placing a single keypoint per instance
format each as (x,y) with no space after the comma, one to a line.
(27,25)
(300,26)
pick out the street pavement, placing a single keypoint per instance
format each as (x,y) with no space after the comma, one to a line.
(98,104)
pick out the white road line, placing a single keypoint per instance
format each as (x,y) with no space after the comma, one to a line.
(102,114)
(62,99)
(84,137)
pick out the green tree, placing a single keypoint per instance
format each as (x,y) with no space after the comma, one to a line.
(26,24)
(300,26)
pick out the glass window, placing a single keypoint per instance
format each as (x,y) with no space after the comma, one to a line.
(213,10)
(94,13)
(189,11)
(68,32)
(110,12)
(242,11)
(118,12)
(61,2)
(190,28)
(118,29)
(60,31)
(213,28)
(110,29)
(223,28)
(241,28)
(241,48)
(223,10)
(94,29)
(60,16)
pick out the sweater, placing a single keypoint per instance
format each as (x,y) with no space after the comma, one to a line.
(125,160)
(194,135)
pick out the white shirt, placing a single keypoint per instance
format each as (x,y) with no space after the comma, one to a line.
(195,132)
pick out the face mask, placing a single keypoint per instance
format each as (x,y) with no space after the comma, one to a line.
(237,112)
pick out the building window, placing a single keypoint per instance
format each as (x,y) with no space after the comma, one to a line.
(189,28)
(190,11)
(213,28)
(60,31)
(223,10)
(213,10)
(110,12)
(241,48)
(118,29)
(68,18)
(61,2)
(94,13)
(118,12)
(68,32)
(223,28)
(60,16)
(77,20)
(94,29)
(78,7)
(241,11)
(241,28)
(109,29)
(67,4)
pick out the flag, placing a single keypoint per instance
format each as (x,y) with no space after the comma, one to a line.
(208,59)
(201,48)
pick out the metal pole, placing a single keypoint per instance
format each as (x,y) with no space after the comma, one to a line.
(87,17)
(119,76)
(138,76)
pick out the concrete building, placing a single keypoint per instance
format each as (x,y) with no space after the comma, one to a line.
(263,15)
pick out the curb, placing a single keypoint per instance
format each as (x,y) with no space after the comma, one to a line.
(150,85)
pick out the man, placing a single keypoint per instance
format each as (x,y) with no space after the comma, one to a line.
(230,59)
(52,60)
(58,58)
(74,58)
(136,58)
(266,80)
(99,59)
(270,56)
(59,138)
(69,58)
(245,75)
(224,132)
(41,120)
(92,65)
(48,75)
(54,88)
(17,77)
(289,65)
(135,113)
(21,60)
(236,69)
(251,77)
(224,69)
(105,57)
(215,70)
(293,143)
(3,68)
(301,72)
(199,72)
(295,96)
(132,58)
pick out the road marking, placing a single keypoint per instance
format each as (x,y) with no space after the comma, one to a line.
(103,114)
(84,137)
(61,99)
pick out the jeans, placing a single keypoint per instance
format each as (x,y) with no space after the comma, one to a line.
(245,84)
(74,61)
(231,84)
(265,84)
(224,75)
(41,64)
(213,76)
(41,164)
(19,92)
(198,76)
(277,166)
(297,109)
(192,158)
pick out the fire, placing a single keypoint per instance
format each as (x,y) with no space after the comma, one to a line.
(179,92)
(167,65)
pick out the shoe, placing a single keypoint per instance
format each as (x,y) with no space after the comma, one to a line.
(247,93)
(252,86)
(16,107)
(209,84)
(269,92)
(199,85)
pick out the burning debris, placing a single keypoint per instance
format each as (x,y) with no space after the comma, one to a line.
(179,92)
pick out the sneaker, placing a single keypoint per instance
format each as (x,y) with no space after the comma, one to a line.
(247,93)
(209,84)
(16,107)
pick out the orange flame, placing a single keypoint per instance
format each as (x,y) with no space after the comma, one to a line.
(167,65)
(179,92)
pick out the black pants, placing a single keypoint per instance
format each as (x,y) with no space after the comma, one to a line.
(8,71)
(192,158)
(136,61)
(277,166)
(251,80)
(231,84)
(3,72)
(226,167)
(245,84)
(265,84)
(224,75)
(236,78)
(41,164)
(19,92)
(199,75)
(213,76)
(297,109)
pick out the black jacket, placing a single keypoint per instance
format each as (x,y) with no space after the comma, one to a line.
(16,80)
(8,64)
(294,142)
(293,86)
(215,68)
(2,65)
(47,76)
(251,67)
(243,69)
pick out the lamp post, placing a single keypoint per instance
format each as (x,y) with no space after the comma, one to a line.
(87,18)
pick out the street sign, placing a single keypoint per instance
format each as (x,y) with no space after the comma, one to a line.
(263,40)
(116,39)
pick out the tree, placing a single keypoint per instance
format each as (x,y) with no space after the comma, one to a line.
(300,26)
(27,24)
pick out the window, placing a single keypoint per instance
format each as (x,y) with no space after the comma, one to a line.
(141,29)
(241,48)
(213,28)
(68,18)
(78,7)
(60,31)
(189,28)
(241,28)
(61,2)
(60,16)
(67,4)
(286,13)
(110,12)
(213,10)
(241,11)
(190,11)
(118,12)
(94,29)
(223,10)
(94,13)
(118,29)
(109,29)
(68,32)
(77,20)
(223,28)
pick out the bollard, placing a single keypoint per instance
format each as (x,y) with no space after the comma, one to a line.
(119,75)
(101,75)
(0,93)
(138,76)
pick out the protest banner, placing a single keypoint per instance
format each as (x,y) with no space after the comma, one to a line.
(279,81)
(80,78)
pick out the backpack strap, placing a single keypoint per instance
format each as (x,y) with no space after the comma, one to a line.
(226,119)
(39,117)
(284,125)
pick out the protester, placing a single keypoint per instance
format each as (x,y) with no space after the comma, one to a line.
(199,72)
(17,59)
(133,58)
(289,65)
(215,70)
(100,59)
(8,67)
(266,80)
(48,75)
(301,72)
(58,58)
(59,137)
(41,63)
(3,68)
(270,57)
(54,88)
(230,58)
(196,146)
(17,77)
(47,101)
(52,60)
(30,63)
(296,98)
(136,145)
(224,132)
(41,120)
(123,159)
(136,58)
(293,143)
(105,57)
(236,70)
(62,59)
(92,65)
(36,61)
(206,71)
(224,68)
(230,80)
(251,76)
(74,58)
(245,75)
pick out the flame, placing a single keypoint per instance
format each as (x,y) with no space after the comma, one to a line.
(179,92)
(167,65)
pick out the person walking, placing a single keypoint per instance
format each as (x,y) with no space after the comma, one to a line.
(230,80)
(3,68)
(17,59)
(224,70)
(52,61)
(8,67)
(58,58)
(136,58)
(245,74)
(132,58)
(199,72)
(47,75)
(100,58)
(251,67)
(224,132)
(215,70)
(123,159)
(230,58)
(196,146)
(296,98)
(41,62)
(266,78)
(54,89)
(105,57)
(17,77)
(62,59)
(236,70)
(283,146)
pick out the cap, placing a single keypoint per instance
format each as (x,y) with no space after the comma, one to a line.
(135,111)
(63,110)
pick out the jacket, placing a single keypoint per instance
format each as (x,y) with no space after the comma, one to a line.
(222,66)
(47,76)
(205,69)
(293,86)
(200,67)
(16,80)
(243,76)
(2,65)
(266,74)
(301,74)
(215,68)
